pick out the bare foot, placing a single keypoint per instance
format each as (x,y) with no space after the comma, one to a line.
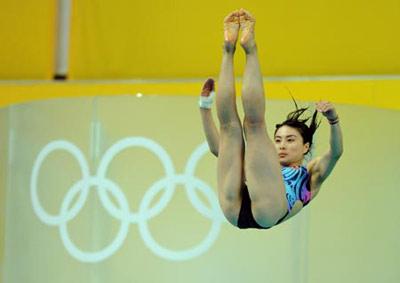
(208,87)
(247,23)
(231,31)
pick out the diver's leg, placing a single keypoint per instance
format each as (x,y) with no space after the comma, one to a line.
(263,170)
(231,144)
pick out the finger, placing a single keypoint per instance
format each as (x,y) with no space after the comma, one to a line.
(321,105)
(208,87)
(322,108)
(209,84)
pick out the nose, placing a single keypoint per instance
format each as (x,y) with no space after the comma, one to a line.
(282,145)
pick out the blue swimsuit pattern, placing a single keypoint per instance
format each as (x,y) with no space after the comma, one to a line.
(297,185)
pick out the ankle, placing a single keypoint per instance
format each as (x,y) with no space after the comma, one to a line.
(250,50)
(229,48)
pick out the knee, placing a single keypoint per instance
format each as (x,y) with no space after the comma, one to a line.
(253,124)
(230,125)
(231,129)
(227,113)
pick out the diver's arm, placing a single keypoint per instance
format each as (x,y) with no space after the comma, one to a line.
(210,130)
(322,166)
(205,103)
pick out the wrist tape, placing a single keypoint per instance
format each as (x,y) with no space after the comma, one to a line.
(207,101)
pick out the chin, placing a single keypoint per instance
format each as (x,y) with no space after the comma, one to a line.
(283,163)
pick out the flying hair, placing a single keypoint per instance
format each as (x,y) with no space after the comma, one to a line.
(295,120)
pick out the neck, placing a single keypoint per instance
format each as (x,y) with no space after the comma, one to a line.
(293,164)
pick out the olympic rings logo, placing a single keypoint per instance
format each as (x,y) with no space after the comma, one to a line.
(103,185)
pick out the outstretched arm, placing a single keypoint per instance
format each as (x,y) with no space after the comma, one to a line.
(322,166)
(209,127)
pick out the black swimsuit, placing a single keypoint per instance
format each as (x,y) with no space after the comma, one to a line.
(246,219)
(297,186)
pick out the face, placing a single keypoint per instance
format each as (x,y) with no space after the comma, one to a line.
(290,147)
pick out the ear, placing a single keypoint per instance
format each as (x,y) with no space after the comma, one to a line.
(306,148)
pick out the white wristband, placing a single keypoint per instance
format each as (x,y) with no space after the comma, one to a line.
(207,101)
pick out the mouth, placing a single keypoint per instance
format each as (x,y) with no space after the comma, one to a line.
(282,154)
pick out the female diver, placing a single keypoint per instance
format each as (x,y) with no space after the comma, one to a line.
(261,183)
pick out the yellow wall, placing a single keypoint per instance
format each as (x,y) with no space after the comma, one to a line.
(27,31)
(125,39)
(153,39)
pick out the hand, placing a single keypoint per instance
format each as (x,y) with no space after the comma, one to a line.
(207,94)
(327,109)
(208,87)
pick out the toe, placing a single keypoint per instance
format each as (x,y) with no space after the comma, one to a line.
(245,15)
(231,17)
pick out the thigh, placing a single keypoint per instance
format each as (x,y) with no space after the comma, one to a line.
(264,177)
(230,170)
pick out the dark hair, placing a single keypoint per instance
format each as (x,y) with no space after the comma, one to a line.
(293,120)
